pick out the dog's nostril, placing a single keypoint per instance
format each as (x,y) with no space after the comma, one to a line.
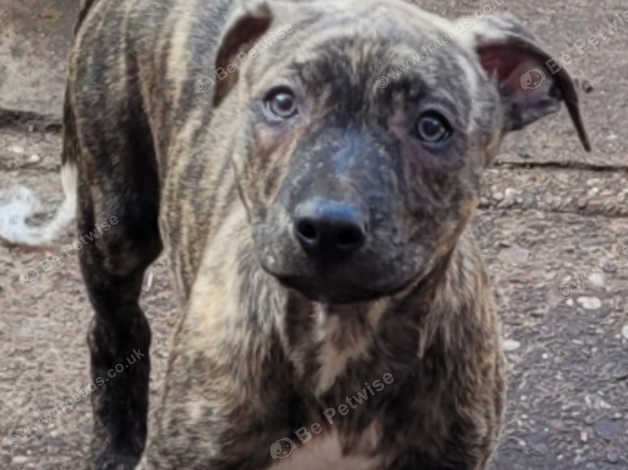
(350,237)
(329,230)
(307,230)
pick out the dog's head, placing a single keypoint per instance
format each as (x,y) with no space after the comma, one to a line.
(365,126)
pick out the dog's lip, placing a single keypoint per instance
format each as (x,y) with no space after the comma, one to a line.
(327,294)
(320,289)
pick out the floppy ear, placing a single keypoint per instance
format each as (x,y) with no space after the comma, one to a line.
(244,28)
(531,83)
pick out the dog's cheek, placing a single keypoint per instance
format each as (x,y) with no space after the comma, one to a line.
(261,168)
(442,192)
(485,129)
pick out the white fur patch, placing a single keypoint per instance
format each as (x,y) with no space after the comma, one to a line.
(321,453)
(325,453)
(334,359)
(19,203)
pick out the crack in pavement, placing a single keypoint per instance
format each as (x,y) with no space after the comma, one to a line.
(557,165)
(21,120)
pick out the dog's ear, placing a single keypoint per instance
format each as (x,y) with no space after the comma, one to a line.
(246,25)
(531,83)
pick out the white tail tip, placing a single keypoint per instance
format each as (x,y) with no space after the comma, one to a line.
(19,203)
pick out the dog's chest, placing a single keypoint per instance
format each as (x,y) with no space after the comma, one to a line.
(325,453)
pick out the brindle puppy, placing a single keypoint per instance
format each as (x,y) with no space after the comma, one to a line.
(310,168)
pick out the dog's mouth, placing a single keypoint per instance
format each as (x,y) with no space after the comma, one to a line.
(327,290)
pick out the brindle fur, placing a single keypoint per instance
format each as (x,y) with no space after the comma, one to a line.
(265,344)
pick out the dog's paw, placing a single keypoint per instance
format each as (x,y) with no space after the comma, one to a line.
(108,460)
(105,456)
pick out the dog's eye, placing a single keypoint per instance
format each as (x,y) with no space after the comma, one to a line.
(433,128)
(281,103)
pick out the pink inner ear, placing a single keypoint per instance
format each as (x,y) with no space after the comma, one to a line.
(509,65)
(499,61)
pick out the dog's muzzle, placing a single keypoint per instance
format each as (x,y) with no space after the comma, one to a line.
(329,231)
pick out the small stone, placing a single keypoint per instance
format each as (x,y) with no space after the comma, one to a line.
(607,429)
(515,255)
(590,303)
(612,454)
(569,302)
(511,345)
(541,448)
(609,268)
(16,149)
(19,460)
(510,197)
(597,279)
(556,424)
(624,331)
(34,158)
(554,298)
(584,437)
(498,196)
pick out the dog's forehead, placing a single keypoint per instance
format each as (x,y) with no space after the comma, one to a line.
(375,12)
(374,22)
(373,44)
(380,60)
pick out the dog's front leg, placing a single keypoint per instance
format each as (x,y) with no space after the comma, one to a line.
(202,428)
(117,221)
(119,340)
(229,396)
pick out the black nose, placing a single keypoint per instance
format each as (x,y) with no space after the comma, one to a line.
(329,230)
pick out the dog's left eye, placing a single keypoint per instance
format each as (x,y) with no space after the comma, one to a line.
(281,103)
(433,128)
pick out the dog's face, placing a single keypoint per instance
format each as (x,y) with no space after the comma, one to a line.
(366,132)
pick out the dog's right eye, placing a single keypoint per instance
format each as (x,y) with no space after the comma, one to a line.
(433,128)
(281,103)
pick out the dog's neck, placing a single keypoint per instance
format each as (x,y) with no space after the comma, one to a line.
(330,346)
